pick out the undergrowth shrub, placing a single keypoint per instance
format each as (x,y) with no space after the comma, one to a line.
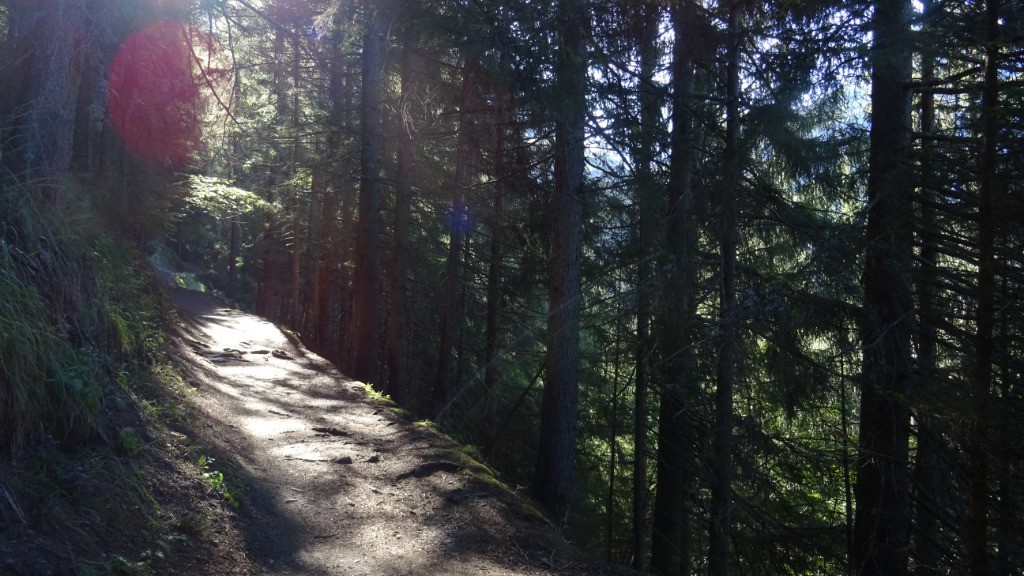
(132,308)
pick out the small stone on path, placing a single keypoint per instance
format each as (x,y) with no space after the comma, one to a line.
(332,431)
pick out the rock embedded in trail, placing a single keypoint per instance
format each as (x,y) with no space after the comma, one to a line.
(429,469)
(330,431)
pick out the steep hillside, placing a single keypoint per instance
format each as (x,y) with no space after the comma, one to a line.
(150,430)
(90,482)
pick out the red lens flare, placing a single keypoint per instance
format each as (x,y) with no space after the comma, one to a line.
(153,93)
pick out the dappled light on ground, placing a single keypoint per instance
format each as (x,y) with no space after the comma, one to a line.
(336,482)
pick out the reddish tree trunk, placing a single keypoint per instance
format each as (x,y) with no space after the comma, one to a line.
(398,315)
(364,338)
(451,319)
(554,477)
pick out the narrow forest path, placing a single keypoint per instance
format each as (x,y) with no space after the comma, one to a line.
(335,481)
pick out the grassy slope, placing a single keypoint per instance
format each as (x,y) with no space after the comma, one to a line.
(98,474)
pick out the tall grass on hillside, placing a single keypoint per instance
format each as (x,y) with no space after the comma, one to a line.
(62,326)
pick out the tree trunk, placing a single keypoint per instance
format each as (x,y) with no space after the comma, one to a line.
(554,476)
(881,525)
(233,253)
(270,300)
(651,210)
(1007,534)
(926,475)
(844,422)
(492,338)
(346,268)
(343,87)
(324,269)
(295,298)
(721,484)
(613,446)
(294,291)
(398,317)
(458,384)
(451,320)
(266,288)
(977,449)
(678,413)
(48,39)
(364,339)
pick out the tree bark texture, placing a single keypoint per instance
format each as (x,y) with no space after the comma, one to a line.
(364,339)
(554,476)
(295,293)
(679,430)
(651,205)
(398,316)
(234,241)
(324,266)
(927,475)
(451,319)
(337,241)
(49,40)
(984,351)
(720,534)
(495,292)
(881,525)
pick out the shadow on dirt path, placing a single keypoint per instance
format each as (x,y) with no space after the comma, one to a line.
(337,482)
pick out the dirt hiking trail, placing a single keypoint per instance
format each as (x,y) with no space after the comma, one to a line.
(335,482)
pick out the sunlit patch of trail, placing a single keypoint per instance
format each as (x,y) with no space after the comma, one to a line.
(327,468)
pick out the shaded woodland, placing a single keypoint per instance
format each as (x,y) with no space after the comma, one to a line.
(731,287)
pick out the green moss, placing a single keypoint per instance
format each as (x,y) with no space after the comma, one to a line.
(427,425)
(379,396)
(128,438)
(292,336)
(470,459)
(529,512)
(188,281)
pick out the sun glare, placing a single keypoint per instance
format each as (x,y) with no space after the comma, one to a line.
(154,92)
